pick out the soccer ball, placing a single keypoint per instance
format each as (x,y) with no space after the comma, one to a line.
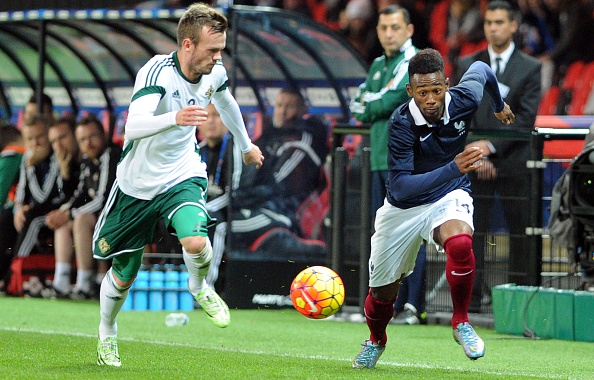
(317,292)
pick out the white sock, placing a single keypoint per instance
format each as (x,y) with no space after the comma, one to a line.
(198,268)
(62,277)
(111,299)
(83,280)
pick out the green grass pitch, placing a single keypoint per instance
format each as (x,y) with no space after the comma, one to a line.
(56,339)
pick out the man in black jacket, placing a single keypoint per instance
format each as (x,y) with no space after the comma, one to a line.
(504,170)
(97,174)
(266,201)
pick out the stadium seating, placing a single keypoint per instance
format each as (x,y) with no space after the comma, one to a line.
(582,89)
(23,268)
(40,263)
(548,101)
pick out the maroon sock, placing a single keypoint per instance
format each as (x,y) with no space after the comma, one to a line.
(378,315)
(460,268)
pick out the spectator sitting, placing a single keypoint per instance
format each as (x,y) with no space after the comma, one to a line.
(97,174)
(36,186)
(46,181)
(30,109)
(265,201)
(12,149)
(67,156)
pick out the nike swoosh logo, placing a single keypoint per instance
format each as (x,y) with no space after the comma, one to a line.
(461,274)
(423,138)
(312,306)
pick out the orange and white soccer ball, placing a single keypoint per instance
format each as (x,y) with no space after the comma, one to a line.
(317,292)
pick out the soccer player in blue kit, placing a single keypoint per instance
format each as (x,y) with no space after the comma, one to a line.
(428,195)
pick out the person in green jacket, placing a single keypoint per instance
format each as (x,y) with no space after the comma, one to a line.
(12,149)
(382,92)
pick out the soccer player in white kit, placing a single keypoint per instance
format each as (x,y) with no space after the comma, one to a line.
(428,195)
(161,175)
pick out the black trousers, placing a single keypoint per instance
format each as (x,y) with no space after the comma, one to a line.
(8,235)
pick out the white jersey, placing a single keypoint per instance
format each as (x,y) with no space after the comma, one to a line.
(163,153)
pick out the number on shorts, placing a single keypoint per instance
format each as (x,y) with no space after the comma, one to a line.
(465,206)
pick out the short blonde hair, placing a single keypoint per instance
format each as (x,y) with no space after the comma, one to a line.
(195,18)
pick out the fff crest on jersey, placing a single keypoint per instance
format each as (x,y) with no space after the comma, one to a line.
(459,125)
(209,92)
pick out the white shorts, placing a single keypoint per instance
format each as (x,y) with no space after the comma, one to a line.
(399,234)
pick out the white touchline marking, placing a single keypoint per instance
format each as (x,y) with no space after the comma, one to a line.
(279,354)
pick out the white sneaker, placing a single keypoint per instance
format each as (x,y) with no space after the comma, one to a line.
(214,306)
(107,352)
(473,345)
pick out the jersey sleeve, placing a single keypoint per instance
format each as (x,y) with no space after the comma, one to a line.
(478,76)
(227,106)
(148,92)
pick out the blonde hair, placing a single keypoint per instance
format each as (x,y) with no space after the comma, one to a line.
(195,18)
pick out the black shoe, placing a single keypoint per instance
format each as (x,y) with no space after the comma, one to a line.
(79,295)
(281,242)
(53,293)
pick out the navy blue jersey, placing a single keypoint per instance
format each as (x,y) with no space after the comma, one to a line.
(421,156)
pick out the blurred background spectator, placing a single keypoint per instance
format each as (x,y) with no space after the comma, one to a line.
(456,29)
(12,149)
(357,25)
(266,200)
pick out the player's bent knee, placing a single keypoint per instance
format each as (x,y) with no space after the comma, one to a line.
(386,293)
(459,247)
(194,244)
(121,283)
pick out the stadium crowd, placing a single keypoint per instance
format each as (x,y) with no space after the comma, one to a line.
(551,30)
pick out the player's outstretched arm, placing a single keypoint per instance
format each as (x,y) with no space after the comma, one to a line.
(254,156)
(506,115)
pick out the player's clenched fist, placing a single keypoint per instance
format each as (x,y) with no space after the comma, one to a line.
(254,156)
(469,160)
(191,115)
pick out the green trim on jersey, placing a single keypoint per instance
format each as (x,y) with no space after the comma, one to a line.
(223,87)
(155,70)
(179,70)
(148,91)
(127,150)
